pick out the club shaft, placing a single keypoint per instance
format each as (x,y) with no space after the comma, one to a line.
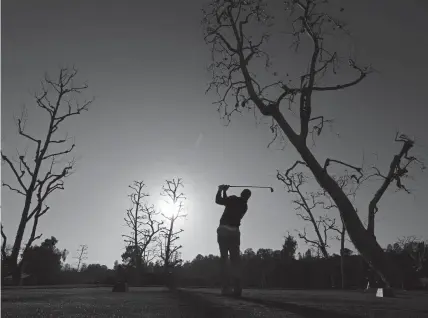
(250,187)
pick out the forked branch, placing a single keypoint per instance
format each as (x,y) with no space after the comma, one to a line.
(398,170)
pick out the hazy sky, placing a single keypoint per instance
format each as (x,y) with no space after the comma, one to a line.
(145,62)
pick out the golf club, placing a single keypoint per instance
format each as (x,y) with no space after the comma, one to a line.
(271,189)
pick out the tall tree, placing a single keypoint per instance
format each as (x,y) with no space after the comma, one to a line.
(82,254)
(237,32)
(40,174)
(141,220)
(169,249)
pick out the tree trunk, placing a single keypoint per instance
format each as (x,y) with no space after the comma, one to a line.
(332,281)
(171,229)
(13,261)
(138,269)
(16,276)
(342,257)
(366,244)
(17,273)
(371,221)
(167,260)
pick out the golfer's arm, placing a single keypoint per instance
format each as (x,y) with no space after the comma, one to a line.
(219,198)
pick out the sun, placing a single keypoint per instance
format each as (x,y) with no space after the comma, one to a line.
(167,208)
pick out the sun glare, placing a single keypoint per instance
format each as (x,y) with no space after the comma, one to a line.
(169,209)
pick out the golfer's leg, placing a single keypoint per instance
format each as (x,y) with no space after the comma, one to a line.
(222,243)
(235,259)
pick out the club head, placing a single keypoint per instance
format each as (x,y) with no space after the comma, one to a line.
(271,189)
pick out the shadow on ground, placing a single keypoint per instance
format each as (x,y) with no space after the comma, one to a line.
(326,303)
(288,308)
(304,311)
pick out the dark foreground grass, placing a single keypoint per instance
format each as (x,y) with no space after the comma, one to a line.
(102,302)
(160,302)
(93,302)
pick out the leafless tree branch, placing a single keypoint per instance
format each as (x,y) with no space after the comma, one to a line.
(353,176)
(4,184)
(398,169)
(18,176)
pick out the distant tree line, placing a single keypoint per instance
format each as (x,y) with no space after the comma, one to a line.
(264,268)
(267,268)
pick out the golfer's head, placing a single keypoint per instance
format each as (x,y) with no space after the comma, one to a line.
(246,194)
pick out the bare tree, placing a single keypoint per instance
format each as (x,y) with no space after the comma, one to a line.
(237,31)
(141,220)
(82,254)
(37,175)
(169,250)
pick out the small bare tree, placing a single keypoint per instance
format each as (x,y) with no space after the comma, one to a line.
(37,176)
(308,203)
(141,220)
(169,250)
(82,254)
(237,32)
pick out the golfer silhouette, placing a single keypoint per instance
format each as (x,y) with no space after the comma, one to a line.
(229,237)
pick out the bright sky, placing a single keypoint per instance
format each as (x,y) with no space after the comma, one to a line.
(145,64)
